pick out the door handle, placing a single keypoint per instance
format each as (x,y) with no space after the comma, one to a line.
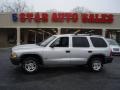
(67,51)
(89,51)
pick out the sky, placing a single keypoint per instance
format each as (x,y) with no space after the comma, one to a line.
(67,5)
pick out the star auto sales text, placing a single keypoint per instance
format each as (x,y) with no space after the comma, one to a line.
(62,17)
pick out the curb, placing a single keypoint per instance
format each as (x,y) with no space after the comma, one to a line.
(5,48)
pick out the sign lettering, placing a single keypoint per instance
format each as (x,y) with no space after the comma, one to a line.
(62,17)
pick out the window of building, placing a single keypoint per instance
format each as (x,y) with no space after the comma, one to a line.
(98,42)
(11,36)
(36,35)
(80,42)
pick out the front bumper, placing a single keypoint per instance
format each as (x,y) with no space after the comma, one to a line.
(115,53)
(108,60)
(14,61)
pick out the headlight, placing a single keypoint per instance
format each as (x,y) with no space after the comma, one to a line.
(13,55)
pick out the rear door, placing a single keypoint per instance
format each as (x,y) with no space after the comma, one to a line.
(80,50)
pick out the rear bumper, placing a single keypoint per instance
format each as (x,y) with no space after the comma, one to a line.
(108,60)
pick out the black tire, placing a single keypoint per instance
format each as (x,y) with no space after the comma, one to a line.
(96,64)
(30,65)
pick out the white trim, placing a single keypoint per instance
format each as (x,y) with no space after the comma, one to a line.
(6,13)
(59,31)
(18,36)
(58,27)
(103,32)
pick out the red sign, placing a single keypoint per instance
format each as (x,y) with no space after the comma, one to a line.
(97,18)
(37,17)
(62,17)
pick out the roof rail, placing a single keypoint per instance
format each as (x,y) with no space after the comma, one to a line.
(83,34)
(87,34)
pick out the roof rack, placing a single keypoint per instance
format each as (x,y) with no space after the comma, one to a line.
(87,34)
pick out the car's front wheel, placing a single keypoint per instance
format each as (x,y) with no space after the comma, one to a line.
(30,65)
(96,64)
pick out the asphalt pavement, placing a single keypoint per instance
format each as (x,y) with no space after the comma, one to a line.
(58,78)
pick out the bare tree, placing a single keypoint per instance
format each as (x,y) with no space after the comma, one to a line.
(81,9)
(16,6)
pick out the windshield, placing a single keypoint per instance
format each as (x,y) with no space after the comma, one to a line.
(112,42)
(47,41)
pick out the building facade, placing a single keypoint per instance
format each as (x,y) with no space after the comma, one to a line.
(24,28)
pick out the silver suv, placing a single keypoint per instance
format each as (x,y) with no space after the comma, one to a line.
(66,49)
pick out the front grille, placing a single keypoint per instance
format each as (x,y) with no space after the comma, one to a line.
(115,49)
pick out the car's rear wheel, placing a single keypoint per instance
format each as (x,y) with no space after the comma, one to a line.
(30,65)
(96,64)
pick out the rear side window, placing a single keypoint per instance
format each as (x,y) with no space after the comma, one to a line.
(80,42)
(98,42)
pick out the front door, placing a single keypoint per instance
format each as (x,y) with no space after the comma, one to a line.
(58,52)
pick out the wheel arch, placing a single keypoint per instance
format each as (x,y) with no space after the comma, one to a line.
(39,57)
(102,56)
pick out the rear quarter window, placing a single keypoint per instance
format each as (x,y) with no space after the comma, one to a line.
(98,42)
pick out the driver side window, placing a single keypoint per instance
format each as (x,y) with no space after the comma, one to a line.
(61,42)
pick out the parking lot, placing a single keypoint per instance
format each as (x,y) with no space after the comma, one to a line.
(58,78)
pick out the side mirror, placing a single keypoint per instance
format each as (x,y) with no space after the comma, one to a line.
(52,46)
